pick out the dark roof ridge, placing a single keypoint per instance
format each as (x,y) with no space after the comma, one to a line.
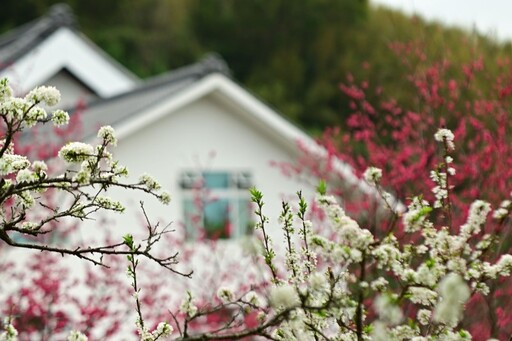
(61,14)
(211,63)
(15,42)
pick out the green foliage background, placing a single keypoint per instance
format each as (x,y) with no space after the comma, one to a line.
(293,54)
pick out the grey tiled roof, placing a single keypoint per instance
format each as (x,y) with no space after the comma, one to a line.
(17,42)
(21,40)
(114,110)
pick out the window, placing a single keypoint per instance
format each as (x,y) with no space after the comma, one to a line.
(216,204)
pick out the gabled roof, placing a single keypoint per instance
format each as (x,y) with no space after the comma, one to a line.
(33,53)
(150,93)
(165,95)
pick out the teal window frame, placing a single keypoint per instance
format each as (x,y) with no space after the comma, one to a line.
(218,203)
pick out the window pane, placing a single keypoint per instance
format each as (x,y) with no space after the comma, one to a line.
(216,179)
(244,216)
(191,217)
(221,208)
(216,219)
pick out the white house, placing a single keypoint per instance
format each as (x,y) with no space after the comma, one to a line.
(189,125)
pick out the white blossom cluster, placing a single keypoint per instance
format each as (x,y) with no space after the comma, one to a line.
(162,331)
(187,305)
(445,136)
(478,212)
(86,168)
(9,333)
(26,111)
(225,294)
(372,175)
(436,272)
(454,293)
(440,191)
(77,336)
(416,216)
(284,297)
(48,95)
(503,211)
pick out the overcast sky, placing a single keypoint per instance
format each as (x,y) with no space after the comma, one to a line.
(492,17)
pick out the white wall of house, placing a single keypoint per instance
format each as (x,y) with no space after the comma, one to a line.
(208,135)
(72,91)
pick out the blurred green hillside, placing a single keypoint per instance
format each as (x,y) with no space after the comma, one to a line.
(293,54)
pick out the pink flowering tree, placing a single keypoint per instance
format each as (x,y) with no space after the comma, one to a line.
(473,99)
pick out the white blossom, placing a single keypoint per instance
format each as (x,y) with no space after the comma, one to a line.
(225,295)
(5,89)
(252,298)
(445,136)
(379,332)
(423,296)
(440,191)
(162,330)
(318,282)
(77,336)
(478,212)
(387,310)
(165,197)
(83,176)
(107,134)
(60,118)
(261,317)
(454,293)
(33,116)
(372,175)
(28,225)
(284,297)
(75,152)
(9,334)
(403,332)
(424,316)
(187,305)
(143,331)
(25,199)
(11,163)
(416,216)
(109,204)
(379,284)
(25,175)
(148,181)
(500,213)
(46,94)
(14,108)
(504,265)
(39,167)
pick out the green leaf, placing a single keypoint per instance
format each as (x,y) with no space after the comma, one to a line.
(128,240)
(256,195)
(322,188)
